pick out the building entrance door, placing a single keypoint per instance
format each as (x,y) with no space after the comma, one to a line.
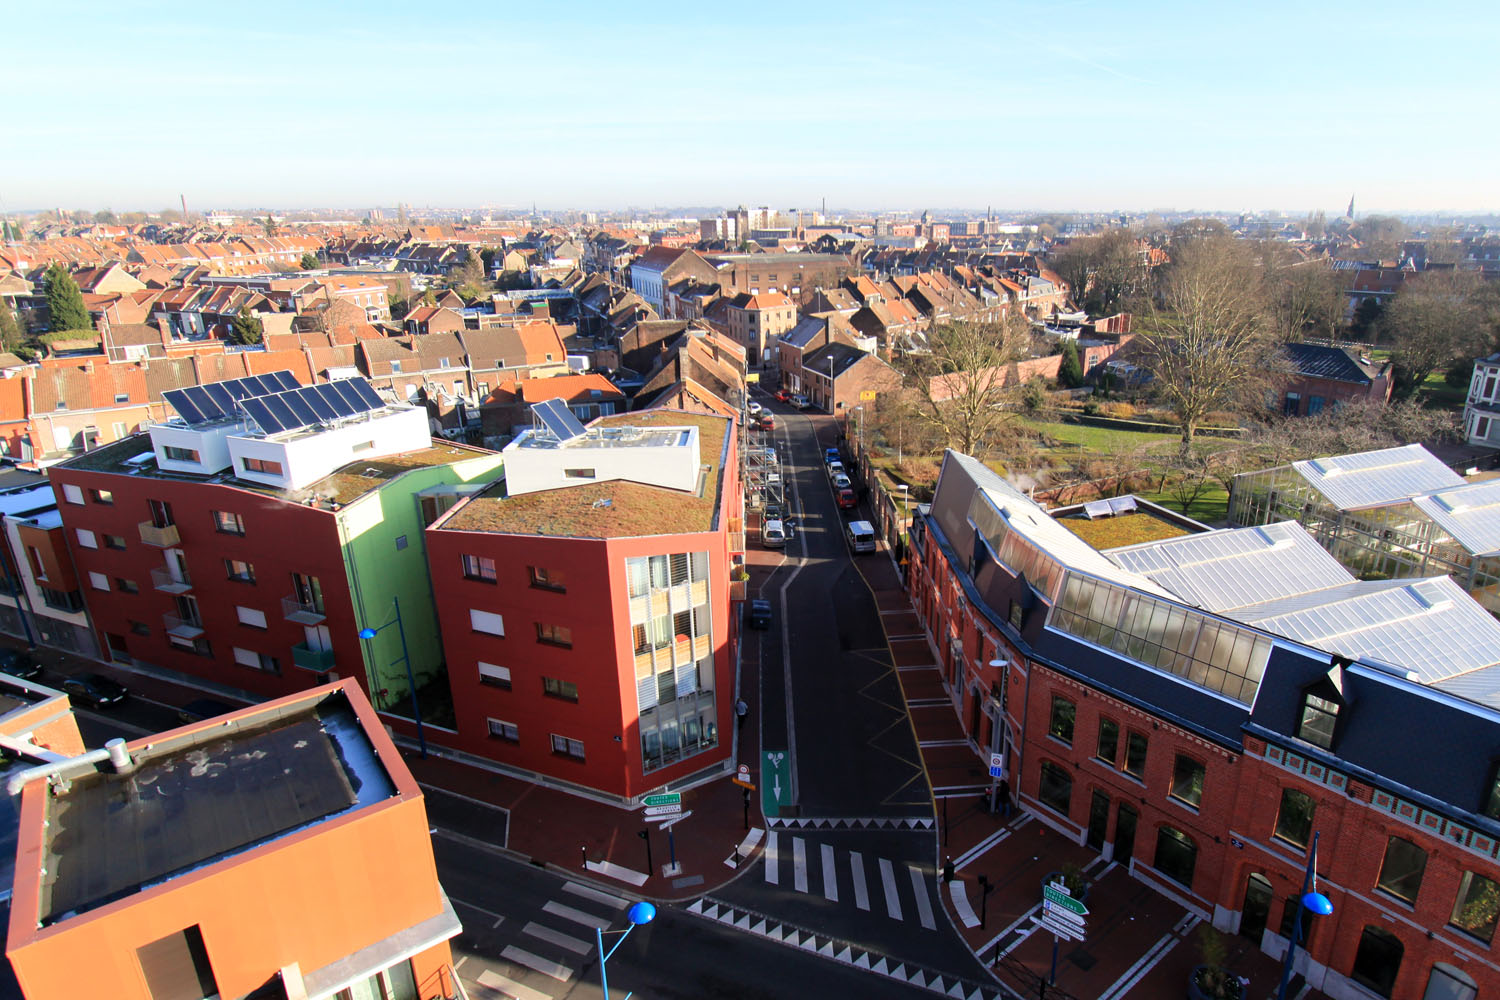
(1125,834)
(1257,907)
(1098,820)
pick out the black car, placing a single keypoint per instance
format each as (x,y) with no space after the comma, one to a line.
(760,614)
(18,663)
(95,690)
(202,708)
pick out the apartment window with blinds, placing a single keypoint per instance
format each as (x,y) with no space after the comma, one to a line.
(507,731)
(567,747)
(479,568)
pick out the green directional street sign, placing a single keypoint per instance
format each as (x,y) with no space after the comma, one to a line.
(664,799)
(775,781)
(1058,896)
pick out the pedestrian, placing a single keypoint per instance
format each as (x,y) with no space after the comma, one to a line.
(1005,798)
(741,710)
(947,870)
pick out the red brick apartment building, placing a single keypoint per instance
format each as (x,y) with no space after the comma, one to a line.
(585,603)
(232,857)
(1197,708)
(250,556)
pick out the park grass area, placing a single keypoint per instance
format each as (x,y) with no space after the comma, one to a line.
(1101,439)
(1435,393)
(1211,506)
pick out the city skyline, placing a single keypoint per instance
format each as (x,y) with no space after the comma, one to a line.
(1097,109)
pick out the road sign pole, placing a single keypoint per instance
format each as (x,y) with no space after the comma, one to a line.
(1052,977)
(672,846)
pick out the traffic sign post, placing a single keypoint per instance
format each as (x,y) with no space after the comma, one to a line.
(1063,916)
(663,799)
(997,765)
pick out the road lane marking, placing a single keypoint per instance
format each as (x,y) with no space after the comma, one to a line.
(577,946)
(888,880)
(799,864)
(1151,959)
(830,875)
(861,891)
(568,913)
(510,987)
(773,859)
(545,966)
(597,895)
(924,905)
(479,909)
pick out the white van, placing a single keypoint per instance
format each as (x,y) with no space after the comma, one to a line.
(860,536)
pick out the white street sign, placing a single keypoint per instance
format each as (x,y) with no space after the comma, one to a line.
(671,810)
(1062,915)
(671,819)
(1064,931)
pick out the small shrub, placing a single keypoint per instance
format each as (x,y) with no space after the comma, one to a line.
(1120,411)
(1091,408)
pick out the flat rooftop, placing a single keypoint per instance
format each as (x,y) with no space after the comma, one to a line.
(1122,529)
(613,509)
(195,801)
(133,456)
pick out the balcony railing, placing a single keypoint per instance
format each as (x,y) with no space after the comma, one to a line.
(162,538)
(183,628)
(163,580)
(301,612)
(312,659)
(737,589)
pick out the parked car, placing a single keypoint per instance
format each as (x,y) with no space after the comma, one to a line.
(840,481)
(773,511)
(753,408)
(19,663)
(773,534)
(835,469)
(759,613)
(846,498)
(767,421)
(783,396)
(768,455)
(94,690)
(800,401)
(202,708)
(831,455)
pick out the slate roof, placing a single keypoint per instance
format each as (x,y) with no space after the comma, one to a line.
(1336,364)
(843,357)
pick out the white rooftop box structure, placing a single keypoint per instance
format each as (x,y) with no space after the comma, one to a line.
(560,452)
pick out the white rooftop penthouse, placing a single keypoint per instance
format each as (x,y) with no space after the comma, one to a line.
(561,452)
(268,429)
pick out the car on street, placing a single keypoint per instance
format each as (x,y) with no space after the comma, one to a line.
(94,690)
(767,421)
(759,613)
(846,498)
(783,396)
(835,469)
(800,401)
(753,407)
(19,663)
(831,455)
(773,511)
(840,481)
(773,534)
(203,708)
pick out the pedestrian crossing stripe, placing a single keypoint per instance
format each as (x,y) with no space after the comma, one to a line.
(843,952)
(856,823)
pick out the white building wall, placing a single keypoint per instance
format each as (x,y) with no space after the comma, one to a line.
(530,468)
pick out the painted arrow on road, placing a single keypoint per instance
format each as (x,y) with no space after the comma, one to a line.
(776,781)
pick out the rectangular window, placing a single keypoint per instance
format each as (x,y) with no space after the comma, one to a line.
(1109,741)
(547,579)
(256,661)
(125,586)
(98,581)
(554,688)
(239,571)
(554,635)
(479,568)
(1401,871)
(494,675)
(567,747)
(140,628)
(1295,818)
(1056,788)
(486,622)
(578,474)
(507,731)
(1061,724)
(87,539)
(400,542)
(114,542)
(227,523)
(263,465)
(250,616)
(1319,715)
(1477,906)
(1187,781)
(1135,755)
(172,453)
(102,496)
(72,494)
(177,967)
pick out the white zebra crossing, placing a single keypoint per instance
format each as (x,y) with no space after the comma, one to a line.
(885,885)
(550,946)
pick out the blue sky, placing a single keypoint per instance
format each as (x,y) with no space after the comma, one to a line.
(1081,105)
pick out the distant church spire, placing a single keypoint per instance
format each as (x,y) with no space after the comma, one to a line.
(1350,214)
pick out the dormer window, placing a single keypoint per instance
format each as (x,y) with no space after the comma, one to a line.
(1319,717)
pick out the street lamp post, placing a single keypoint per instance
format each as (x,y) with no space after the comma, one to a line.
(641,913)
(1311,899)
(905,504)
(368,633)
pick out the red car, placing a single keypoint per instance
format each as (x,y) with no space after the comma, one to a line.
(767,421)
(846,498)
(782,396)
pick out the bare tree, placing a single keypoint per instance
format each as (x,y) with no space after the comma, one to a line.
(1207,342)
(1307,297)
(960,383)
(1436,317)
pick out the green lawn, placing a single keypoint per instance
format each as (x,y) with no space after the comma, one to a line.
(1102,439)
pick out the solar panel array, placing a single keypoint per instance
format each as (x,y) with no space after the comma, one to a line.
(207,404)
(308,406)
(558,419)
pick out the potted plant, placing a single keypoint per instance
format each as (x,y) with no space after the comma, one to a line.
(1211,980)
(1072,879)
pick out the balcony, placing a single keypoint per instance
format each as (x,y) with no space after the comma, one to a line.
(182,628)
(304,656)
(162,538)
(737,589)
(163,580)
(301,612)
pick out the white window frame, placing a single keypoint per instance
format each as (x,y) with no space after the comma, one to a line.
(98,580)
(250,616)
(487,622)
(87,539)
